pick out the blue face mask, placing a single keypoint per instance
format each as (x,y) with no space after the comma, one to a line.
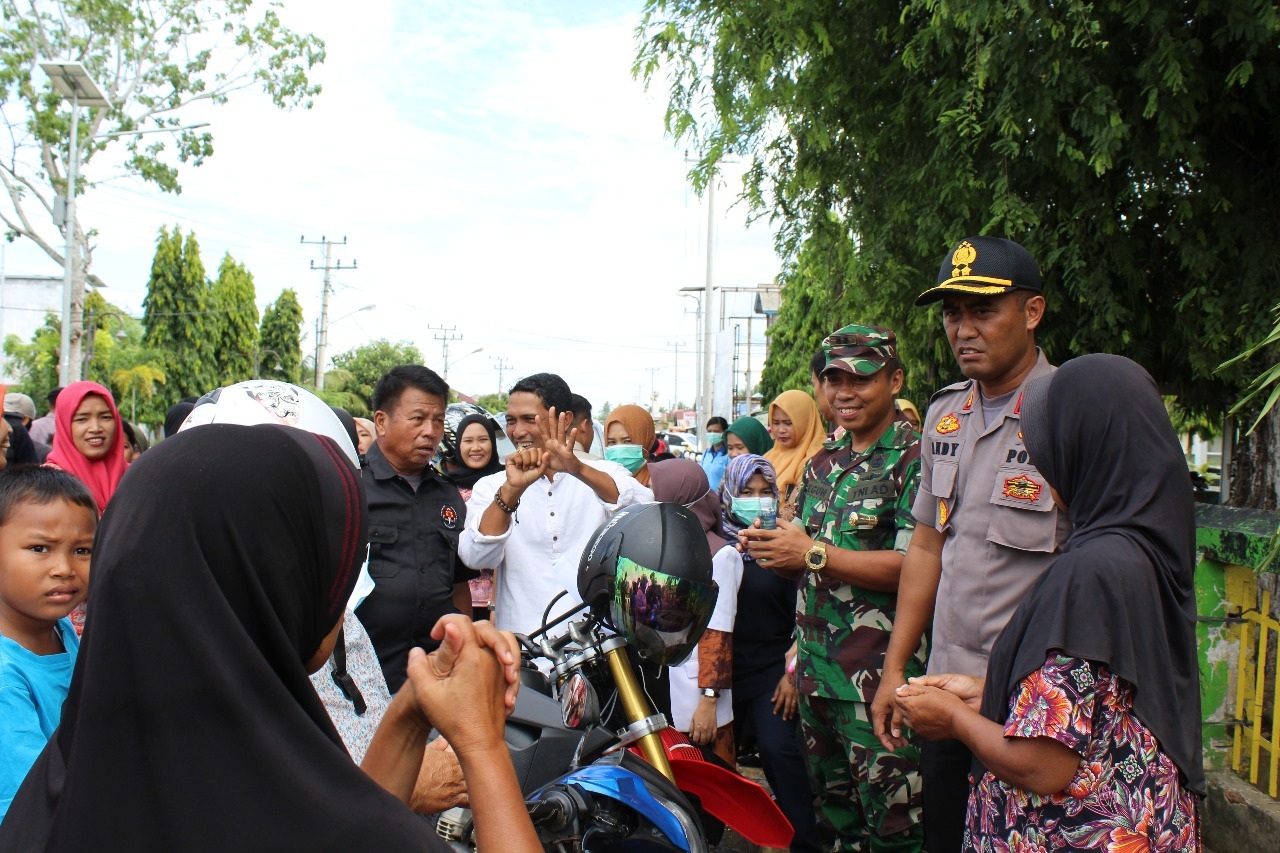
(714,438)
(747,510)
(629,456)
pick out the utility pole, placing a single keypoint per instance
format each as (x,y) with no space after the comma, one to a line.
(653,387)
(446,335)
(502,365)
(675,374)
(705,403)
(322,333)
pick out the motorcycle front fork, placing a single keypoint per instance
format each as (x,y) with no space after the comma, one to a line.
(636,706)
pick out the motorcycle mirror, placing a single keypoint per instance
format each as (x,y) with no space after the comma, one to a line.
(579,705)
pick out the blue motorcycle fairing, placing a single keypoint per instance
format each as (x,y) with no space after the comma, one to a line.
(629,789)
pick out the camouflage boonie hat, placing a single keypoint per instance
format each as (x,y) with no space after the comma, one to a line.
(989,266)
(861,350)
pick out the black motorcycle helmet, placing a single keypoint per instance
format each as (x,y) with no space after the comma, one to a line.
(647,573)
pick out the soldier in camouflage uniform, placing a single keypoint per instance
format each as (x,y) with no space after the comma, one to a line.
(854,524)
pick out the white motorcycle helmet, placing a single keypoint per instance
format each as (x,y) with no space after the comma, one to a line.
(270,401)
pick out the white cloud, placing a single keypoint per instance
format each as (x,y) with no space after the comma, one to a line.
(494,167)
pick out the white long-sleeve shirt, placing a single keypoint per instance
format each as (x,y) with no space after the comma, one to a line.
(726,570)
(538,554)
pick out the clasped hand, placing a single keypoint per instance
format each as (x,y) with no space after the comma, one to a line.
(467,686)
(929,704)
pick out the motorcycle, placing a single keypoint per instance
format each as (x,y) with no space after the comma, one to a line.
(591,788)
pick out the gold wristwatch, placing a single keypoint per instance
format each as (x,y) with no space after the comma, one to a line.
(816,557)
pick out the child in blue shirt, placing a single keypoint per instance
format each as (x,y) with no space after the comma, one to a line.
(47,522)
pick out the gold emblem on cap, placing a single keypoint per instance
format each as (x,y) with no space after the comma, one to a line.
(963,256)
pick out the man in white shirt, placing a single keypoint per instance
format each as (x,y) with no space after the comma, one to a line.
(532,521)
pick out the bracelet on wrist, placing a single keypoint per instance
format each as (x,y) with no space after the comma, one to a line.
(509,509)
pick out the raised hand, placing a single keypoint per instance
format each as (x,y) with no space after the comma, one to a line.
(557,439)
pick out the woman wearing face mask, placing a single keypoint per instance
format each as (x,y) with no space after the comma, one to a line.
(747,435)
(797,431)
(701,698)
(629,439)
(764,693)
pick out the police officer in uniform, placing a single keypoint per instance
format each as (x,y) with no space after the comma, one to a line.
(415,517)
(854,525)
(987,527)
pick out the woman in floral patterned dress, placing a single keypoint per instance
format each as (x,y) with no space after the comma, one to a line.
(1089,731)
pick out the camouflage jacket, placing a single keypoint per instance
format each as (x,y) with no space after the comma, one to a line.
(859,502)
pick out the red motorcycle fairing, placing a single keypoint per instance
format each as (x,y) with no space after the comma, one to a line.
(742,805)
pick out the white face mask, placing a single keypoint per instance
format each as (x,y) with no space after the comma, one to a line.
(364,586)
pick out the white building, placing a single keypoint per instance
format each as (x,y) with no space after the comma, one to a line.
(25,302)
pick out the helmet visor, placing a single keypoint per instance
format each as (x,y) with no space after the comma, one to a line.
(662,616)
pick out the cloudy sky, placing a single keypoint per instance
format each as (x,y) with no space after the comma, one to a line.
(495,170)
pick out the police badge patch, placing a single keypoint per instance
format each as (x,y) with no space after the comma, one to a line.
(949,424)
(1022,488)
(449,516)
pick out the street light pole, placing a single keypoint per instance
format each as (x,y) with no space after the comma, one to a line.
(71,81)
(458,359)
(69,241)
(704,395)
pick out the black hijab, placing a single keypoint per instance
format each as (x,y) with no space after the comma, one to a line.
(175,416)
(22,450)
(1120,592)
(226,556)
(462,476)
(348,424)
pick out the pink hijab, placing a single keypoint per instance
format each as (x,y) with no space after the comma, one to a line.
(103,475)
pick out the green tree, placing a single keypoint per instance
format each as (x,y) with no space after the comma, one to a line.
(114,356)
(137,384)
(35,362)
(367,363)
(153,60)
(496,403)
(177,317)
(234,313)
(337,392)
(280,338)
(1129,145)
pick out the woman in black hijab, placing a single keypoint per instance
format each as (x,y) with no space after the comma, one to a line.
(191,723)
(1089,736)
(462,464)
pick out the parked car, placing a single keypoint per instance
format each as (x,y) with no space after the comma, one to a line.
(680,443)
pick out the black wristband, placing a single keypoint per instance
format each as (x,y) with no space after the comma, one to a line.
(502,505)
